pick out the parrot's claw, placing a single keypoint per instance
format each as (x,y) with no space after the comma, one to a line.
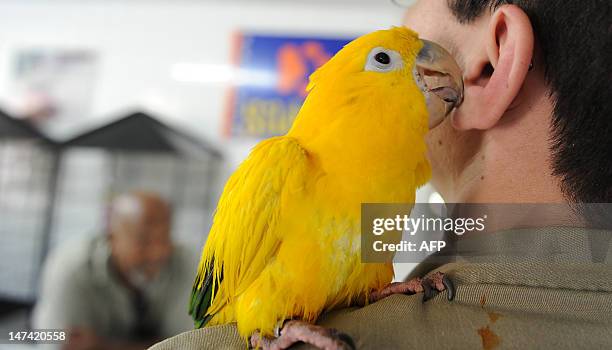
(430,287)
(436,283)
(294,331)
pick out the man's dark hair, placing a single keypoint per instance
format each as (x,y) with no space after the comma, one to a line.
(575,37)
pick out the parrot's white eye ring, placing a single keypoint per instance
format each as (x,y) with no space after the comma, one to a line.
(383,60)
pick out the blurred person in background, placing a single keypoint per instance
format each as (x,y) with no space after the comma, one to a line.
(123,289)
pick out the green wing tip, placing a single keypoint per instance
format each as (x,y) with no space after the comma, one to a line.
(201,299)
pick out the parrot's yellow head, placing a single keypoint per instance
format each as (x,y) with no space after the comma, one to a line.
(383,57)
(370,76)
(368,105)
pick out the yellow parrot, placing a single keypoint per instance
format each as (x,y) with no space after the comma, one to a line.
(285,240)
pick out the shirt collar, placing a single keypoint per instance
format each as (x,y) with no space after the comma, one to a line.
(547,244)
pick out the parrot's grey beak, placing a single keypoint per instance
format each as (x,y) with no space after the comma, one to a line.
(440,78)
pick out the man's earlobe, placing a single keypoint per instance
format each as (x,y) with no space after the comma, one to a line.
(494,76)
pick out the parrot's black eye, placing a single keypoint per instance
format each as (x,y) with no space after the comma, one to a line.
(383,58)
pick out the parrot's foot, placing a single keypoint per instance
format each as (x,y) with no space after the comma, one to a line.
(295,331)
(430,286)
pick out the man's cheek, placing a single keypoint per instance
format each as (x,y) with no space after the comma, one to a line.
(424,17)
(437,142)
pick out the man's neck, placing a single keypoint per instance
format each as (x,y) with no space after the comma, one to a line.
(503,187)
(514,162)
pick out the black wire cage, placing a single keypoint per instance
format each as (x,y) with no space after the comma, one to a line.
(135,152)
(51,192)
(28,173)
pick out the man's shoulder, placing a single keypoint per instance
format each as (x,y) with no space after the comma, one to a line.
(517,305)
(217,337)
(65,288)
(399,321)
(71,258)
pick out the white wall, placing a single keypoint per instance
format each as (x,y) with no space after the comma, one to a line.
(139,41)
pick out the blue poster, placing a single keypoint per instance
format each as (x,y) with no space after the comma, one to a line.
(270,85)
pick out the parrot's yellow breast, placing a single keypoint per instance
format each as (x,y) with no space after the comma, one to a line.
(317,264)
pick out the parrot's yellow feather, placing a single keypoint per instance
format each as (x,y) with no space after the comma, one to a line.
(285,242)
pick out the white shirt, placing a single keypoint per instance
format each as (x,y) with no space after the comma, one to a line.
(80,289)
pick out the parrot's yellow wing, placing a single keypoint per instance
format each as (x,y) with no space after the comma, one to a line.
(243,239)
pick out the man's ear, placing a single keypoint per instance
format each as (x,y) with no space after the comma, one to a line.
(495,74)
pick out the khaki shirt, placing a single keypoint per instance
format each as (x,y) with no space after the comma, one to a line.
(79,289)
(554,297)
